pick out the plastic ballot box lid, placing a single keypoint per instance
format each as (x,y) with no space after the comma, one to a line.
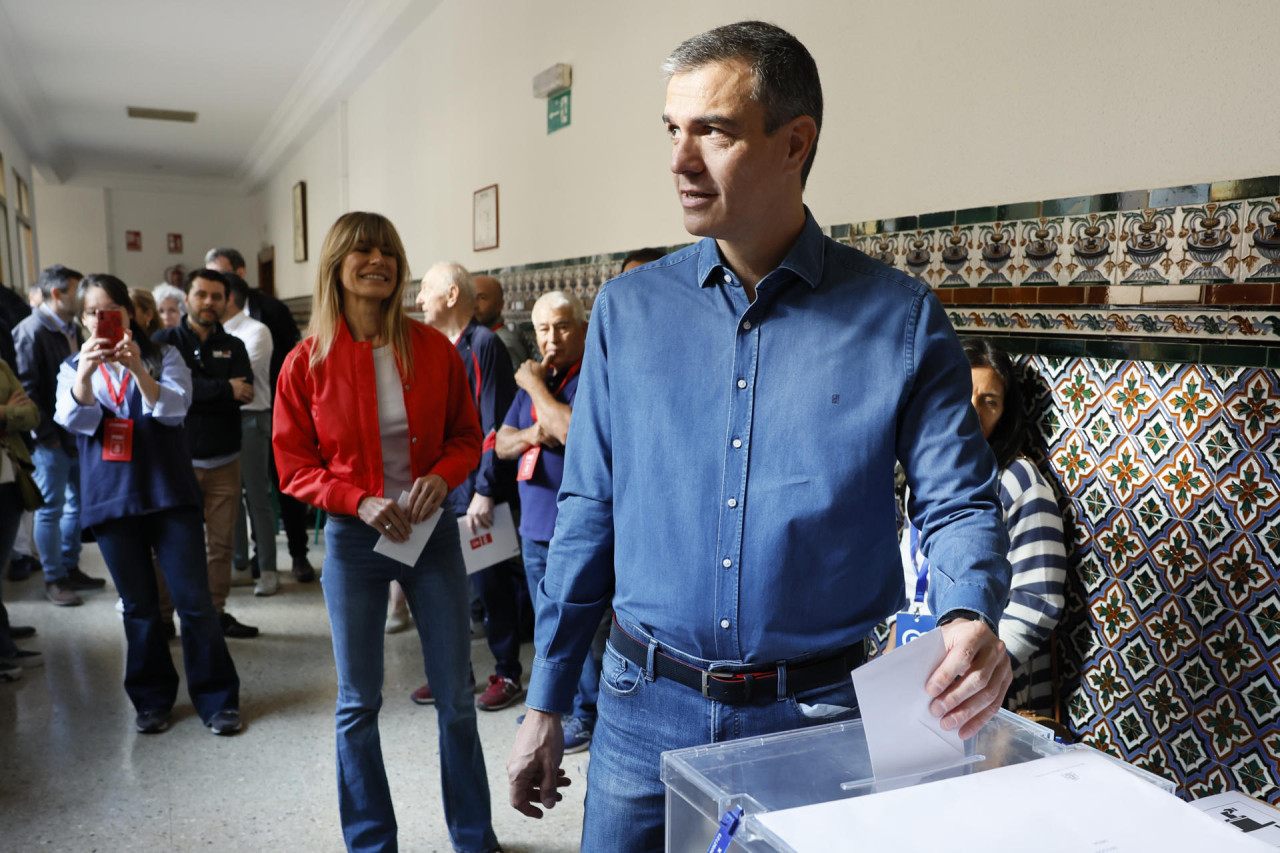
(817,765)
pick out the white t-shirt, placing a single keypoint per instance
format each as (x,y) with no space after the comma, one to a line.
(393,425)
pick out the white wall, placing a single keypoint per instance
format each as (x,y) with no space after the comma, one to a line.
(929,106)
(84,228)
(73,227)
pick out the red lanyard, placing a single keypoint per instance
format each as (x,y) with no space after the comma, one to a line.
(116,395)
(572,372)
(497,327)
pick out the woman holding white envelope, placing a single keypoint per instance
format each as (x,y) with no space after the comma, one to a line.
(369,407)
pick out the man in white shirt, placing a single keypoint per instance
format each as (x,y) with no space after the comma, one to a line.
(255,438)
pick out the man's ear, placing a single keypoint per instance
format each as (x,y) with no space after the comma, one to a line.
(801,135)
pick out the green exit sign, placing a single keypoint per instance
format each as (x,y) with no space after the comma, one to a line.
(558,112)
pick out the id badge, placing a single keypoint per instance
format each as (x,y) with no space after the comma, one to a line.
(528,462)
(909,626)
(117,440)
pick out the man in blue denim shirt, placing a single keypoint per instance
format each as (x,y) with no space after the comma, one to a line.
(728,481)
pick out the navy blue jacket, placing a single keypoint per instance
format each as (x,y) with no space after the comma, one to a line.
(213,424)
(41,349)
(492,389)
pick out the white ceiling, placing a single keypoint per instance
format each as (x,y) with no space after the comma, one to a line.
(260,74)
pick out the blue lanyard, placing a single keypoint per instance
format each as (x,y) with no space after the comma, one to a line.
(922,568)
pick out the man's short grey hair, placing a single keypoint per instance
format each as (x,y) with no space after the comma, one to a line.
(164,291)
(553,299)
(786,77)
(441,276)
(233,257)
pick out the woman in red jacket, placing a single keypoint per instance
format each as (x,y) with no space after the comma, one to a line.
(369,406)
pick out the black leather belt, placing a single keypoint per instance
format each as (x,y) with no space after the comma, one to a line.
(738,688)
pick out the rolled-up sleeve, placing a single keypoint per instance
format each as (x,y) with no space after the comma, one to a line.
(175,395)
(67,411)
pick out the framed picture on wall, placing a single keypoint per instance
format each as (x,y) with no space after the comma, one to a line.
(300,221)
(484,219)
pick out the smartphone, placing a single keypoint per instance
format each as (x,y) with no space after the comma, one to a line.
(110,325)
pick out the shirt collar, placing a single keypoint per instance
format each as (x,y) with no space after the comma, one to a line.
(804,259)
(67,329)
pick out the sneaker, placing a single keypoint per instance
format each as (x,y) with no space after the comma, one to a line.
(24,659)
(151,721)
(241,577)
(236,630)
(302,571)
(79,580)
(422,696)
(21,632)
(61,594)
(577,734)
(397,622)
(268,584)
(21,566)
(10,673)
(226,722)
(500,693)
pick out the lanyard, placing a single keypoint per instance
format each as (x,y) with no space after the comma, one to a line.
(572,372)
(117,395)
(497,327)
(922,568)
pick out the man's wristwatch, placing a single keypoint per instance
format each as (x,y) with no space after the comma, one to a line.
(971,615)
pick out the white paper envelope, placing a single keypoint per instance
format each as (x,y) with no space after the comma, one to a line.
(487,547)
(410,550)
(902,736)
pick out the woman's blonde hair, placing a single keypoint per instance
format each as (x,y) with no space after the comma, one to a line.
(353,229)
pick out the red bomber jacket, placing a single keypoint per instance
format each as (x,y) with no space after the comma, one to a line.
(325,431)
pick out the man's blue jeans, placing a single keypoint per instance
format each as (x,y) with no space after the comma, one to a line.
(535,569)
(355,582)
(641,716)
(57,523)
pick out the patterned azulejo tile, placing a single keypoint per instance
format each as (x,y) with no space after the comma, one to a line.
(1077,394)
(1260,241)
(1240,574)
(1189,403)
(1179,557)
(1072,462)
(1183,481)
(1249,490)
(1253,408)
(1131,398)
(1148,241)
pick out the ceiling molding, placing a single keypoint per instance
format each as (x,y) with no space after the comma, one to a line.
(359,41)
(22,107)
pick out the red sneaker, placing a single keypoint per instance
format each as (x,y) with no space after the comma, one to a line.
(500,693)
(422,696)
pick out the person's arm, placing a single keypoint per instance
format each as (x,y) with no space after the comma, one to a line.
(17,414)
(1039,561)
(30,369)
(462,439)
(497,390)
(578,585)
(553,416)
(172,389)
(72,414)
(951,473)
(241,379)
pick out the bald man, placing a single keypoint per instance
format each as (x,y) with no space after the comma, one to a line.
(489,305)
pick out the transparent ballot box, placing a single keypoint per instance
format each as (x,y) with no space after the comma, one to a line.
(817,765)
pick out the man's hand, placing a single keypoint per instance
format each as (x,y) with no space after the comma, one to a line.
(969,685)
(19,398)
(539,434)
(533,770)
(532,374)
(385,516)
(425,497)
(241,390)
(480,513)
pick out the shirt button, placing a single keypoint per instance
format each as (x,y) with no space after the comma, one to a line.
(724,623)
(742,383)
(728,279)
(406,387)
(726,562)
(733,502)
(414,441)
(737,442)
(746,325)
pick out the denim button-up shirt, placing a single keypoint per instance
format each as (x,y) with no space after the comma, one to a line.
(728,477)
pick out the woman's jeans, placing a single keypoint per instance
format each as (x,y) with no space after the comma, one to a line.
(176,536)
(356,582)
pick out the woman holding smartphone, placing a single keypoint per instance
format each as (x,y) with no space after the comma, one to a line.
(125,399)
(369,406)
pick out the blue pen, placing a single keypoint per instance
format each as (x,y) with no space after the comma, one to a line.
(728,826)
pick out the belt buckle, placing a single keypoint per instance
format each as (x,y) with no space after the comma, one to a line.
(706,682)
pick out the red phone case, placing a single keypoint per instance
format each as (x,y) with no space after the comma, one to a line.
(109,326)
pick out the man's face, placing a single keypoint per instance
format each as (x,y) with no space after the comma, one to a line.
(433,300)
(206,302)
(560,337)
(177,276)
(729,175)
(489,302)
(62,302)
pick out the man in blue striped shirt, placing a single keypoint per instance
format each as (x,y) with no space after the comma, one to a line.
(728,478)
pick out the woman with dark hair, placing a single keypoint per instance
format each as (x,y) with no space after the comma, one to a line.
(125,401)
(372,405)
(1031,515)
(145,313)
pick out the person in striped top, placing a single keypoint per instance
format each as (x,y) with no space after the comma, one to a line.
(1031,515)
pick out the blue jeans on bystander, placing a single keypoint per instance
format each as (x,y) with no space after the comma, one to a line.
(355,582)
(57,523)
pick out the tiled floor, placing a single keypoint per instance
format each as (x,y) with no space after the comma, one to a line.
(75,778)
